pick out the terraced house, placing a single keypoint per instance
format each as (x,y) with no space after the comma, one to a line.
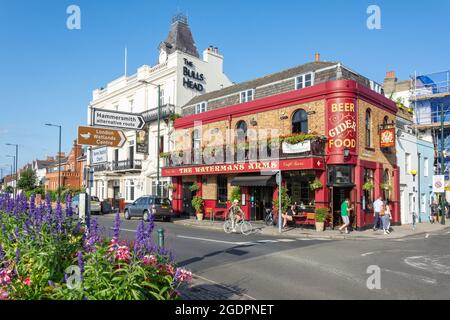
(319,123)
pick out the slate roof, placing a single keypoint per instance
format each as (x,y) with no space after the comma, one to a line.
(180,38)
(274,77)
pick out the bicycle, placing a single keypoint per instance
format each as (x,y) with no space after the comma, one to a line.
(246,226)
(269,218)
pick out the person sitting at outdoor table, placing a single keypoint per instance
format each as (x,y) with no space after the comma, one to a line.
(288,216)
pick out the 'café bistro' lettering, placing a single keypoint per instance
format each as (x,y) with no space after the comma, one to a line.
(191,74)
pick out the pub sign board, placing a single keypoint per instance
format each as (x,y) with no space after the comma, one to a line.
(387,138)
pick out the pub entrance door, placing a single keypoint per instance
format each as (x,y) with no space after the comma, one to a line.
(338,195)
(260,199)
(188,195)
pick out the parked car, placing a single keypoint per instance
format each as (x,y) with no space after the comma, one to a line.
(161,208)
(95,204)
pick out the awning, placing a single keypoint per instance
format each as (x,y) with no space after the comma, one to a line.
(254,181)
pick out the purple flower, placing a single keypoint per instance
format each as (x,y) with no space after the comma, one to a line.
(17,255)
(81,263)
(140,237)
(51,283)
(69,210)
(117,226)
(2,254)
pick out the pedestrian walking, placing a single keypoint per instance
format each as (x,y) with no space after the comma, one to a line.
(385,214)
(434,212)
(345,209)
(377,206)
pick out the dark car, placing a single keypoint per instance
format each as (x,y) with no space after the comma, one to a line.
(145,206)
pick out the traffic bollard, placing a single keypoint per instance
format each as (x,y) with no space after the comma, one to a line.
(161,237)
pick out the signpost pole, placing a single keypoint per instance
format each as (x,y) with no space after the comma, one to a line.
(279,201)
(159,137)
(442,164)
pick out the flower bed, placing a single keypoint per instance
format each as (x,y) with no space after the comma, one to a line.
(46,254)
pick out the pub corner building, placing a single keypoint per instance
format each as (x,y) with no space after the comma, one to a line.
(331,122)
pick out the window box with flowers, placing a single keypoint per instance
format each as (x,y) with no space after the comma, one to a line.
(386,186)
(368,186)
(194,187)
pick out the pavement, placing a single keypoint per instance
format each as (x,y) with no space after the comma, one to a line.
(397,232)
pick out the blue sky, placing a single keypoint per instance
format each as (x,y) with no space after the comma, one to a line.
(48,72)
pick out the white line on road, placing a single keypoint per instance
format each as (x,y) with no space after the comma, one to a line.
(367,254)
(121,229)
(219,241)
(285,240)
(224,286)
(267,241)
(427,236)
(413,276)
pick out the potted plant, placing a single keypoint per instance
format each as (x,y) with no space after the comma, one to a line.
(321,215)
(285,201)
(194,187)
(235,194)
(197,204)
(316,185)
(368,185)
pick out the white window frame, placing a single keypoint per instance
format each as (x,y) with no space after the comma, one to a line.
(128,184)
(423,203)
(426,167)
(302,77)
(408,163)
(243,95)
(201,107)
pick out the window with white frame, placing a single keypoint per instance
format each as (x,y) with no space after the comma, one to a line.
(161,97)
(247,95)
(201,107)
(129,190)
(425,167)
(131,104)
(304,80)
(408,163)
(423,203)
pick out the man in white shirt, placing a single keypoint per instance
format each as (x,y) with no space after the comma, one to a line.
(377,205)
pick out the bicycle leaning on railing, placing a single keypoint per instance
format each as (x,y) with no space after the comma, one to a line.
(245,226)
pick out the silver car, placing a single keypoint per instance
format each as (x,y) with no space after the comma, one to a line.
(95,204)
(146,205)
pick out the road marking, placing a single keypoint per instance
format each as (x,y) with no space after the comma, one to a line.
(224,286)
(367,254)
(413,276)
(433,264)
(285,240)
(219,241)
(427,236)
(267,241)
(121,229)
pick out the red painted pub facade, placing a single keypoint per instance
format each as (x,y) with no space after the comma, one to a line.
(330,132)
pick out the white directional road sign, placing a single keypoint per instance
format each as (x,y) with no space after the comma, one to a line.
(115,119)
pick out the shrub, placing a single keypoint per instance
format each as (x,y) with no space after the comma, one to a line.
(285,201)
(197,204)
(235,194)
(321,214)
(37,247)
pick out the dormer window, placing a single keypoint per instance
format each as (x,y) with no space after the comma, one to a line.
(247,95)
(304,80)
(201,107)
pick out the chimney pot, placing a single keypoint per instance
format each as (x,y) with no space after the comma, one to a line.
(317,57)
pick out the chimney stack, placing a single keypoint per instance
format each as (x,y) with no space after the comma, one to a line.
(390,82)
(317,57)
(216,50)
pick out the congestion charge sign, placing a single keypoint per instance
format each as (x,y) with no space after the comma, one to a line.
(341,125)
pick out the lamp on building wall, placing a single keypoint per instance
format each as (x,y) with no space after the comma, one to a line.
(253,122)
(414,173)
(346,153)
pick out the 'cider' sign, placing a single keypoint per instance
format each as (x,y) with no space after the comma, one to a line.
(341,126)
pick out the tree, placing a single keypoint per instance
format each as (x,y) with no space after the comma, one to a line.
(27,180)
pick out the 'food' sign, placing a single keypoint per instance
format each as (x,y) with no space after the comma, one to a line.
(341,126)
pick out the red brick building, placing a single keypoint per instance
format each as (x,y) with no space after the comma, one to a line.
(329,119)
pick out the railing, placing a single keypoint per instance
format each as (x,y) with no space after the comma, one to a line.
(152,114)
(432,84)
(226,154)
(118,166)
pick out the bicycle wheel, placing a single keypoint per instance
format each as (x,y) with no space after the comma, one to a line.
(269,220)
(246,228)
(227,227)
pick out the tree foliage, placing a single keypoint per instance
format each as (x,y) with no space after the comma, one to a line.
(27,180)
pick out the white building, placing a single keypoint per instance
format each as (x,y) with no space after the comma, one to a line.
(131,171)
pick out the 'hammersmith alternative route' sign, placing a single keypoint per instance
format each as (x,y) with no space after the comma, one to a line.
(108,118)
(101,137)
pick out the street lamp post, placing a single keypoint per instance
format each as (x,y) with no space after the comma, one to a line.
(15,165)
(159,134)
(13,169)
(442,164)
(59,158)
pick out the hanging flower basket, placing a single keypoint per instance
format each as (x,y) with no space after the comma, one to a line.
(368,186)
(315,185)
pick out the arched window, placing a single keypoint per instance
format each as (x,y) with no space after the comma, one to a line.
(241,131)
(300,121)
(368,128)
